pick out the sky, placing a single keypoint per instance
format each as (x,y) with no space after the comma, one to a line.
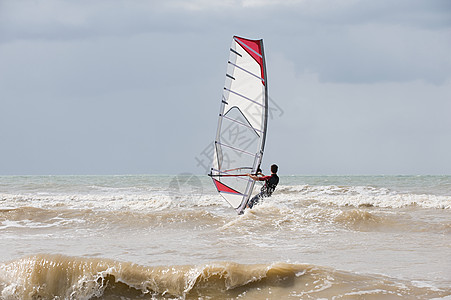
(134,87)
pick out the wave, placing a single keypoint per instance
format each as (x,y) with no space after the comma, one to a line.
(299,195)
(47,276)
(369,221)
(269,215)
(28,220)
(362,196)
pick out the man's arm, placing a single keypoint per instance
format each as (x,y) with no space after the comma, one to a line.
(255,177)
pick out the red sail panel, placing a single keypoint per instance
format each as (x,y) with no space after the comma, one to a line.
(223,188)
(254,48)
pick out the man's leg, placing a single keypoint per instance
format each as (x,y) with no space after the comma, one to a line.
(255,200)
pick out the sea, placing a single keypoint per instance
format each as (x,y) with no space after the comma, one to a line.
(174,237)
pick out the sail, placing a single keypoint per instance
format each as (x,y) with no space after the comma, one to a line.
(241,133)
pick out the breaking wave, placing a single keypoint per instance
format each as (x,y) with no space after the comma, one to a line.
(341,196)
(362,196)
(48,276)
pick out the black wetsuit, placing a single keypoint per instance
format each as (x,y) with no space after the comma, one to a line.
(267,189)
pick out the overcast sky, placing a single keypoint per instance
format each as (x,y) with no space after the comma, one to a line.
(134,87)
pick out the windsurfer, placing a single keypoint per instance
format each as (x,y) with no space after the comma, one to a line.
(269,186)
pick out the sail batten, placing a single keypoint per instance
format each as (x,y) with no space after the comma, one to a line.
(235,52)
(236,149)
(242,124)
(250,73)
(244,97)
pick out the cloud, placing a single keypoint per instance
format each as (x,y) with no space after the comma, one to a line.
(121,86)
(367,42)
(349,128)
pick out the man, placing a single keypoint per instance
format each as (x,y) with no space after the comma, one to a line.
(269,186)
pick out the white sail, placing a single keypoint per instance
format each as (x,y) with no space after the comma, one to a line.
(241,134)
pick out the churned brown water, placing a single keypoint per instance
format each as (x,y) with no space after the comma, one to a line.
(157,237)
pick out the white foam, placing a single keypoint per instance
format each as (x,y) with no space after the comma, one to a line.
(130,199)
(360,196)
(7,224)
